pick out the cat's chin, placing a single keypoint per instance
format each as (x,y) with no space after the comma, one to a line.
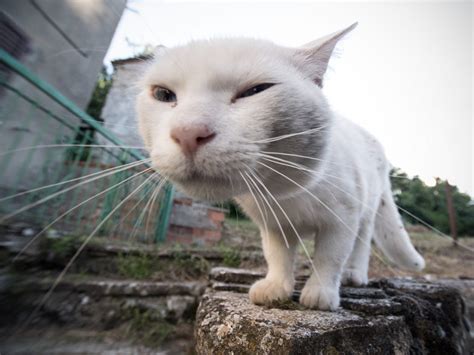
(213,189)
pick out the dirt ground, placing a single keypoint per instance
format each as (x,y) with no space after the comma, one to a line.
(443,258)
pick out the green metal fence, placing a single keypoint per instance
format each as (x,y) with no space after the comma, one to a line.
(50,162)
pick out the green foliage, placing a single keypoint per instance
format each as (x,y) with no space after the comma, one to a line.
(61,247)
(146,328)
(181,265)
(230,257)
(429,203)
(234,210)
(135,266)
(187,265)
(85,134)
(102,88)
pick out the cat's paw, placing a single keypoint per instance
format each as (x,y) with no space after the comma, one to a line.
(322,298)
(354,277)
(266,290)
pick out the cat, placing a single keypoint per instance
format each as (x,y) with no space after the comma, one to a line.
(247,119)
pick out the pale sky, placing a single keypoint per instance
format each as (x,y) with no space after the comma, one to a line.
(405,73)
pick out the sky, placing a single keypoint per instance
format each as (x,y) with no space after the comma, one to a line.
(405,73)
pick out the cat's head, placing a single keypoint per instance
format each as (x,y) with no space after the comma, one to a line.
(209,111)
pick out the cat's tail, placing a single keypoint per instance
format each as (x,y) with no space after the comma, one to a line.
(392,238)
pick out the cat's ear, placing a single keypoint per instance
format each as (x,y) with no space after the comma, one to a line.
(313,57)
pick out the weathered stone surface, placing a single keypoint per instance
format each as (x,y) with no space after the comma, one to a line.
(228,323)
(391,316)
(235,276)
(116,287)
(101,304)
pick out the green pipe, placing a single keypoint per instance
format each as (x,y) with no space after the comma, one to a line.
(54,94)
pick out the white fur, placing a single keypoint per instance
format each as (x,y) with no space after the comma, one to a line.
(342,198)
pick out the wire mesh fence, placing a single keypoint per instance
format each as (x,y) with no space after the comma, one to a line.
(53,173)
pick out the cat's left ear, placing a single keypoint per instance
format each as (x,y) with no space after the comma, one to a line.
(313,57)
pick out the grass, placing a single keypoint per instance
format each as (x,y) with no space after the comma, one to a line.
(443,259)
(145,328)
(135,266)
(230,256)
(181,266)
(62,247)
(184,265)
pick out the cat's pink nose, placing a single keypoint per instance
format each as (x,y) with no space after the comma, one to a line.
(190,138)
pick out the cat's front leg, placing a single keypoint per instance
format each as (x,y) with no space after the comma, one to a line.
(333,245)
(279,282)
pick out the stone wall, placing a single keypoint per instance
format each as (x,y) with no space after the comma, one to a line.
(119,110)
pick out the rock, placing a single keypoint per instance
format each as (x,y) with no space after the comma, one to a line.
(227,322)
(392,316)
(101,304)
(117,288)
(181,306)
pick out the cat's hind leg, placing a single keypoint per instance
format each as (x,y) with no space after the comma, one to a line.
(357,266)
(279,282)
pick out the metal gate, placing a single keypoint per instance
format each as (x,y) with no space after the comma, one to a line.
(53,173)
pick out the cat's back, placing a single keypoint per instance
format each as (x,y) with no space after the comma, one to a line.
(358,148)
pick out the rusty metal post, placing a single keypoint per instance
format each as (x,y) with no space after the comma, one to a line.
(451,212)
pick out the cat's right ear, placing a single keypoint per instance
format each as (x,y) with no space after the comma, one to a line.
(313,58)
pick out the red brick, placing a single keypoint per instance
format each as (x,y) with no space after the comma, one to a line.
(183,201)
(216,216)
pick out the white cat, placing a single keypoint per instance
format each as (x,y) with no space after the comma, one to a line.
(247,119)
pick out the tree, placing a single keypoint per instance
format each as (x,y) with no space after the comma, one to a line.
(97,101)
(85,133)
(429,203)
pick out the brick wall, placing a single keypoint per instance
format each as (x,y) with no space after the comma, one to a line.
(195,223)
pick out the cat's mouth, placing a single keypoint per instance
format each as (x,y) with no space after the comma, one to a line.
(203,182)
(197,177)
(206,187)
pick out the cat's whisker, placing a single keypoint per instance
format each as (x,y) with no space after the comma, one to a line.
(47,198)
(303,168)
(437,231)
(308,171)
(289,135)
(269,206)
(300,240)
(256,202)
(291,164)
(153,198)
(81,248)
(130,211)
(141,216)
(48,146)
(109,124)
(32,240)
(351,230)
(73,50)
(132,164)
(377,213)
(321,160)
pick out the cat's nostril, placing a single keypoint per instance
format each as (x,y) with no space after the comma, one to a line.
(205,139)
(190,138)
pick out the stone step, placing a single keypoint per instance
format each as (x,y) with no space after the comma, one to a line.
(389,316)
(97,303)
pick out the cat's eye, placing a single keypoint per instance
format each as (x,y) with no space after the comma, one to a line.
(163,94)
(254,90)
